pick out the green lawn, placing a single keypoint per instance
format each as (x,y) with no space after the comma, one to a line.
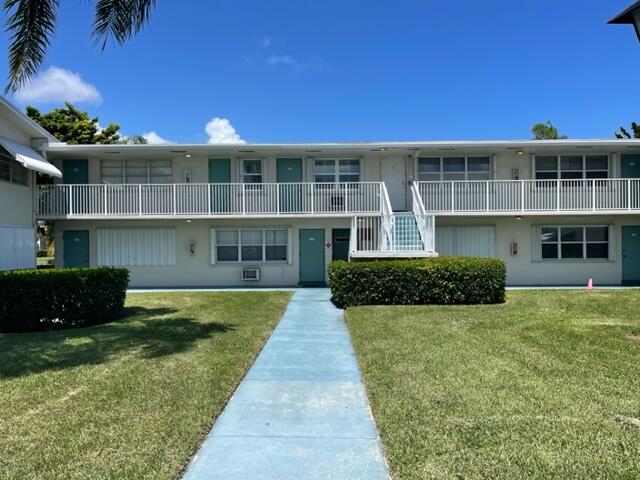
(528,389)
(131,399)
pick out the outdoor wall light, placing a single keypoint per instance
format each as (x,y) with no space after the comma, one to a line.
(518,217)
(630,16)
(519,152)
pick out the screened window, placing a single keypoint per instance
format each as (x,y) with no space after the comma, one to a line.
(571,167)
(252,245)
(433,169)
(136,171)
(251,171)
(344,170)
(574,243)
(11,170)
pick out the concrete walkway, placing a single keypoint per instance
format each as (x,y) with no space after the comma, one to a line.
(301,412)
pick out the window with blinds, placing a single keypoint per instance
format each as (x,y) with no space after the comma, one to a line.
(573,242)
(434,169)
(250,245)
(136,171)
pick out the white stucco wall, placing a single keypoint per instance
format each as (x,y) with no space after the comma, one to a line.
(522,270)
(197,270)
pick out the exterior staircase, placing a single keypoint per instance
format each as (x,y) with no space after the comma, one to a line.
(406,236)
(393,234)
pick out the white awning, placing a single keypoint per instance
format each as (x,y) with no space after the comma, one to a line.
(30,158)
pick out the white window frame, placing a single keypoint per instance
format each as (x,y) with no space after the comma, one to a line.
(441,173)
(583,171)
(242,173)
(538,243)
(336,169)
(123,166)
(214,246)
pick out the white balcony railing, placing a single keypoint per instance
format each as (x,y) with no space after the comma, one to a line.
(614,195)
(260,199)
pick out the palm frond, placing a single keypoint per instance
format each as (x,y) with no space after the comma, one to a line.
(120,19)
(31,23)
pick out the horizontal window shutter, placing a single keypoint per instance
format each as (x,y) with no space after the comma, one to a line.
(213,246)
(612,243)
(536,245)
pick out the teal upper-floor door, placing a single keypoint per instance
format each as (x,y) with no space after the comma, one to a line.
(289,173)
(630,166)
(76,248)
(75,171)
(220,174)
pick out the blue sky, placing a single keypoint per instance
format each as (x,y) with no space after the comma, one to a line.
(340,70)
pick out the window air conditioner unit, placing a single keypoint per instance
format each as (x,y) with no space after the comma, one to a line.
(251,274)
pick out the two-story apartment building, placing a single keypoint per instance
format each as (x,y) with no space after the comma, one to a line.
(558,212)
(20,138)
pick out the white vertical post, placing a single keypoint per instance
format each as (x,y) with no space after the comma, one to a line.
(277,199)
(628,194)
(175,209)
(346,197)
(521,182)
(208,198)
(104,192)
(139,199)
(487,194)
(244,208)
(70,199)
(452,196)
(558,195)
(311,185)
(593,194)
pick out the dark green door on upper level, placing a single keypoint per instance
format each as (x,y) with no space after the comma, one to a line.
(76,248)
(75,171)
(220,172)
(288,172)
(630,166)
(312,257)
(631,255)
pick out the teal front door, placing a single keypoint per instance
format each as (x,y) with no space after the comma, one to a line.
(76,248)
(75,172)
(311,257)
(288,172)
(220,173)
(630,166)
(631,255)
(340,242)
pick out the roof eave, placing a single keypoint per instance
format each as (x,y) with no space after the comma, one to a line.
(626,16)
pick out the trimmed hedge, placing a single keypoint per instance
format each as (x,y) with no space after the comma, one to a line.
(32,300)
(441,281)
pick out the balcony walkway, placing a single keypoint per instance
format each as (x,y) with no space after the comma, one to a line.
(301,411)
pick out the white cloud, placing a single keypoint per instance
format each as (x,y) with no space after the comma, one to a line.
(275,60)
(154,139)
(57,85)
(220,130)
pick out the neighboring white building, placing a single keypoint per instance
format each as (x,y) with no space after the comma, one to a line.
(20,137)
(557,212)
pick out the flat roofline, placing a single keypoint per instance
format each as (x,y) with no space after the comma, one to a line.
(246,147)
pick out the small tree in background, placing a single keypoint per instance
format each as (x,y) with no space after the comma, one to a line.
(546,131)
(623,133)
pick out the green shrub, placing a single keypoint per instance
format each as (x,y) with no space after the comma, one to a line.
(33,300)
(441,281)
